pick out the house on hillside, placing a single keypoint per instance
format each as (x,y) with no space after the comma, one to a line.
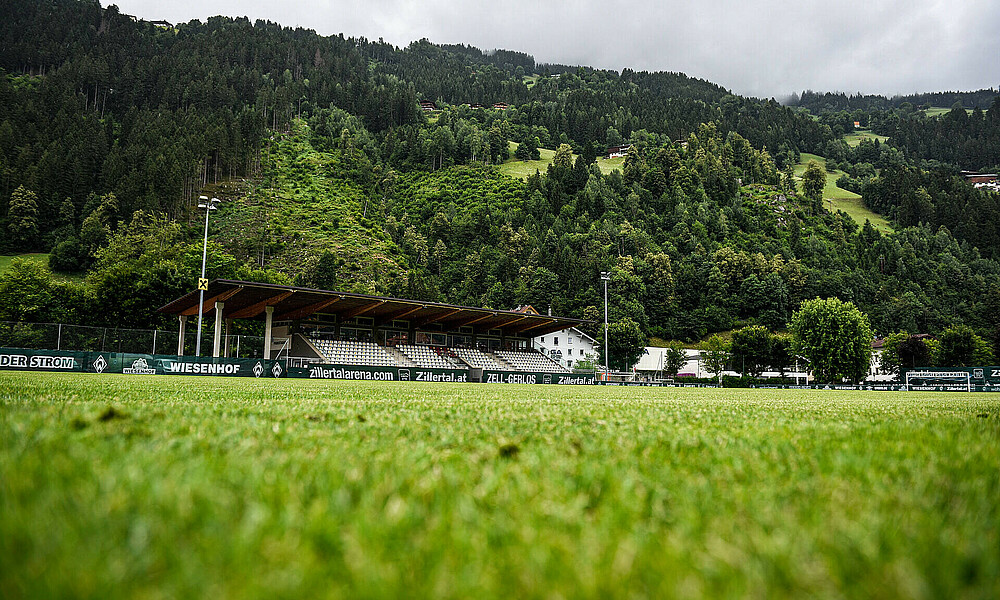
(500,106)
(983,181)
(428,105)
(617,151)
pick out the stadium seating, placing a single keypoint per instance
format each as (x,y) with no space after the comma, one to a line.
(343,352)
(428,356)
(479,359)
(354,353)
(530,361)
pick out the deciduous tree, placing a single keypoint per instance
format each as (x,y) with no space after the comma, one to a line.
(715,356)
(674,358)
(961,347)
(626,343)
(835,337)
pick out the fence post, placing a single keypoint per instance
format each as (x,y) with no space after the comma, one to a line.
(59,338)
(154,340)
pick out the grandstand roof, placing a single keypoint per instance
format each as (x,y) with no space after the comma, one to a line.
(248,300)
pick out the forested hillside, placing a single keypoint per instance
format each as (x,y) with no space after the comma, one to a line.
(332,176)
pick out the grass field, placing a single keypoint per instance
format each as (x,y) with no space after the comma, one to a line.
(42,259)
(854,139)
(524,169)
(937,111)
(835,198)
(6,259)
(118,486)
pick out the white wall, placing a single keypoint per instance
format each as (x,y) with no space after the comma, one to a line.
(572,343)
(653,360)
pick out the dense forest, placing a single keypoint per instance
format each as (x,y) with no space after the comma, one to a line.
(334,177)
(817,102)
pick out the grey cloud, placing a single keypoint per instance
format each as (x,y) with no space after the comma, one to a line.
(765,48)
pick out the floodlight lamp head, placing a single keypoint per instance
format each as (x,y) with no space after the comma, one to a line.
(605,276)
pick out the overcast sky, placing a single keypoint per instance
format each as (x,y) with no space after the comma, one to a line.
(765,48)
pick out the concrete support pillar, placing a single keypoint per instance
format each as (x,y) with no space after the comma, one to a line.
(217,343)
(268,317)
(180,334)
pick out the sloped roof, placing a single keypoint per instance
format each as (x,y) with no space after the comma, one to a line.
(249,300)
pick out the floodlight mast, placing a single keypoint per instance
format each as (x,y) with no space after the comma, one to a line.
(605,277)
(209,206)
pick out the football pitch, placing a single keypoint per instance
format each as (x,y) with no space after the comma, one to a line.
(115,486)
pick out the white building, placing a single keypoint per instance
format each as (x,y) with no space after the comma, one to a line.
(567,347)
(652,362)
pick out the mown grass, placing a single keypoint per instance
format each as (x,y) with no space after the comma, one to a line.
(42,259)
(6,259)
(835,198)
(937,111)
(854,139)
(522,169)
(112,486)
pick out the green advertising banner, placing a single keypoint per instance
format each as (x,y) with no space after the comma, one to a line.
(137,364)
(366,373)
(150,364)
(543,378)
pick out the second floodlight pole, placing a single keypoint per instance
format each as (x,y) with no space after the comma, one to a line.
(208,205)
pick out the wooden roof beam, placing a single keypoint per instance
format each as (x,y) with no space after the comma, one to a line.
(474,320)
(255,309)
(210,302)
(500,325)
(402,314)
(530,326)
(305,311)
(438,317)
(360,310)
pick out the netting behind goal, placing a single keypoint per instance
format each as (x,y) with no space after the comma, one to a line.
(939,381)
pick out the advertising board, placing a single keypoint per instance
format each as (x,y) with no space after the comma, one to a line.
(366,373)
(535,378)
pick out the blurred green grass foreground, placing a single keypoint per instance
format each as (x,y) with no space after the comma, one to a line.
(182,487)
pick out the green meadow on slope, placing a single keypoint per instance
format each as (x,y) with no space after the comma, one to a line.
(835,198)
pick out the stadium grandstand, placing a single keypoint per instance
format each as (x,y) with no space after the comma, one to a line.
(307,327)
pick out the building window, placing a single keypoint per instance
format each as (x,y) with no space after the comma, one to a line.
(569,352)
(555,341)
(569,340)
(541,340)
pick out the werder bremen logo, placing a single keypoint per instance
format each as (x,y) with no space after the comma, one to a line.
(258,369)
(139,367)
(100,364)
(276,370)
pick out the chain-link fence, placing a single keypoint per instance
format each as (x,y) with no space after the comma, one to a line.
(61,336)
